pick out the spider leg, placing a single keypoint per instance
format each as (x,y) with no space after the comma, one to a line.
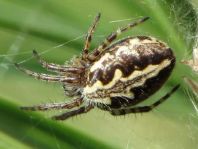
(56,67)
(89,37)
(110,38)
(144,108)
(51,78)
(44,107)
(69,114)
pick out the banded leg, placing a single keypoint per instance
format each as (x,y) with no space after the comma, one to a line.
(77,102)
(56,67)
(144,108)
(89,37)
(110,38)
(50,78)
(69,114)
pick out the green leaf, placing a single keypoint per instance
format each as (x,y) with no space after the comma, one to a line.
(57,29)
(37,132)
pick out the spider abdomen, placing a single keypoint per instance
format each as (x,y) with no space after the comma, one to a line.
(129,71)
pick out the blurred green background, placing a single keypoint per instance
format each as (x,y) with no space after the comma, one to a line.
(56,30)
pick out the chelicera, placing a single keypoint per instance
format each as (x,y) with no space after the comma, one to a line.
(114,77)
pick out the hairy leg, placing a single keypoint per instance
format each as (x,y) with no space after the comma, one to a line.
(144,108)
(69,114)
(46,77)
(56,67)
(75,103)
(89,37)
(110,38)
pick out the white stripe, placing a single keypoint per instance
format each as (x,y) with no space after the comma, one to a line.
(151,70)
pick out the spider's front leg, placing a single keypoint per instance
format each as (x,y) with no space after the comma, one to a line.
(56,67)
(75,103)
(50,78)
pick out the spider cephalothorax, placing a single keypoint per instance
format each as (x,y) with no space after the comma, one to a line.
(114,77)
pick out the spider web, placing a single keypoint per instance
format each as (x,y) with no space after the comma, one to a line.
(190,125)
(132,132)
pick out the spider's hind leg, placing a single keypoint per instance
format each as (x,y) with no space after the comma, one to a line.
(144,108)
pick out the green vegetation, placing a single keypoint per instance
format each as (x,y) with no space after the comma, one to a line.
(45,25)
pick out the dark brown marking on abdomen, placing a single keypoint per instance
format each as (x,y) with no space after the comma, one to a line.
(147,89)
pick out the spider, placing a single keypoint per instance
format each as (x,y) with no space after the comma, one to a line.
(114,77)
